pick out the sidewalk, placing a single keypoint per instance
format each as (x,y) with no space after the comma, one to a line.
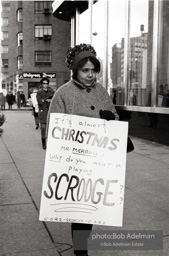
(22,158)
(15,107)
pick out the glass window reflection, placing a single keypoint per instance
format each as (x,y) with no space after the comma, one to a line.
(147,82)
(163,56)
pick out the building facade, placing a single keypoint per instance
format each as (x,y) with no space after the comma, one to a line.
(34,45)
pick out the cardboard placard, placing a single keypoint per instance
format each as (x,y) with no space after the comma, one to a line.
(84,174)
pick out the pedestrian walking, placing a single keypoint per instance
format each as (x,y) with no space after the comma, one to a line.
(2,101)
(18,99)
(44,96)
(35,108)
(10,99)
(22,99)
(82,96)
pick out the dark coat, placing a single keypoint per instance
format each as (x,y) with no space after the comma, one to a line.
(34,113)
(22,97)
(10,99)
(42,96)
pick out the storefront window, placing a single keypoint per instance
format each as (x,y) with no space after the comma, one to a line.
(111,20)
(131,40)
(135,93)
(96,36)
(138,94)
(117,25)
(163,56)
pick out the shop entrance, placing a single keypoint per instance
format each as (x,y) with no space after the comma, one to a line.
(32,86)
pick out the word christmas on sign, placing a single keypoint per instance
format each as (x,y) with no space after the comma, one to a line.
(88,138)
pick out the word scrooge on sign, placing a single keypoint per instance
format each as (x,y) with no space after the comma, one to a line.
(84,173)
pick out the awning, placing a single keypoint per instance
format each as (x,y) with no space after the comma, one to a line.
(64,10)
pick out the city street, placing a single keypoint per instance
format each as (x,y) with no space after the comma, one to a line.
(146,203)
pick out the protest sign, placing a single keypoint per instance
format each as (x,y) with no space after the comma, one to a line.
(34,102)
(84,173)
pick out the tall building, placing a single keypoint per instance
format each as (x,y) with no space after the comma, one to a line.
(33,46)
(116,64)
(137,70)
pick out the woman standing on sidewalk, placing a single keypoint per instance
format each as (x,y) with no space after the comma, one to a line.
(10,99)
(82,96)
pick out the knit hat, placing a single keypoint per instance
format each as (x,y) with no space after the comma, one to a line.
(77,53)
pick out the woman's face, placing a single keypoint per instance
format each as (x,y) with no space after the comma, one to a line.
(45,85)
(87,74)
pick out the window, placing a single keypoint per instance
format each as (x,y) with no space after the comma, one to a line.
(5,49)
(43,6)
(5,76)
(4,21)
(5,7)
(43,30)
(20,62)
(5,35)
(5,63)
(43,58)
(19,15)
(20,38)
(38,6)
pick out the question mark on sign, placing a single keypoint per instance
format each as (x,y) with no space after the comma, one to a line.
(121,187)
(121,200)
